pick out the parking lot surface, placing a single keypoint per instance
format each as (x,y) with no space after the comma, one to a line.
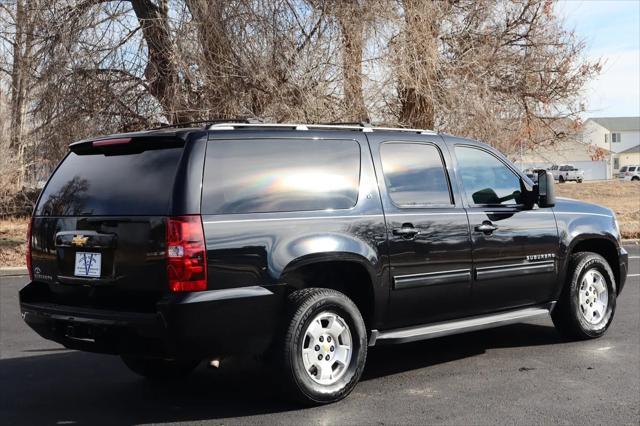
(521,374)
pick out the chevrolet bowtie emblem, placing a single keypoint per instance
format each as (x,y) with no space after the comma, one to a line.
(79,240)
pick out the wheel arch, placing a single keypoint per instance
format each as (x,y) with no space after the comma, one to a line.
(601,245)
(350,273)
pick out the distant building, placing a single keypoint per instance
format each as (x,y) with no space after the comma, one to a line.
(618,135)
(602,147)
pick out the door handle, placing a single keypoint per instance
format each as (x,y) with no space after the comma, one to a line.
(406,231)
(486,227)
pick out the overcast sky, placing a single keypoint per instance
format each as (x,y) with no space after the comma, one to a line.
(611,29)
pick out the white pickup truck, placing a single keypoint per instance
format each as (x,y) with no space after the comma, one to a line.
(566,172)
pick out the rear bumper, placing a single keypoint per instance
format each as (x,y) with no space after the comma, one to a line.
(189,325)
(623,257)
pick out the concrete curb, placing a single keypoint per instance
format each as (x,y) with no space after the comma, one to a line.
(13,271)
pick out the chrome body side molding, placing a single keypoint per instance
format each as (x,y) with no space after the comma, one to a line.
(431,278)
(446,328)
(507,271)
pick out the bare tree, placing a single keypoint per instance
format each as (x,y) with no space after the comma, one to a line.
(502,71)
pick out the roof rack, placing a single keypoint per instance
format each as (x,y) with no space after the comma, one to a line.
(246,120)
(362,127)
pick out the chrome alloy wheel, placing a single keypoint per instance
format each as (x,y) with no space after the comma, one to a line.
(327,348)
(593,296)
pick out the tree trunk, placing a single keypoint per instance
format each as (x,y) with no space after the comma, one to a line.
(161,70)
(419,77)
(352,29)
(20,82)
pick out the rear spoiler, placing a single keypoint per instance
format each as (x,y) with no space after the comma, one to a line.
(126,144)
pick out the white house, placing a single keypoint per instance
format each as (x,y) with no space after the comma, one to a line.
(620,136)
(603,146)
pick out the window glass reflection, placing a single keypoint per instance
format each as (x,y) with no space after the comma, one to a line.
(414,174)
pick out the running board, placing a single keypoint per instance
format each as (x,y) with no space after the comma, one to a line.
(447,328)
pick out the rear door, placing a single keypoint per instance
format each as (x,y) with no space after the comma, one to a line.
(515,249)
(99,232)
(427,230)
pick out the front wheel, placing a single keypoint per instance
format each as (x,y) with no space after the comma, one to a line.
(587,304)
(561,179)
(159,369)
(325,346)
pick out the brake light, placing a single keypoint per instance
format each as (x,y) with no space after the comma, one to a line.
(109,142)
(186,254)
(28,249)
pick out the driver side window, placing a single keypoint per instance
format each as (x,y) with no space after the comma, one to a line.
(487,180)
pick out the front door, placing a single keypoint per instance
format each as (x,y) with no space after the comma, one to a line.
(515,247)
(428,232)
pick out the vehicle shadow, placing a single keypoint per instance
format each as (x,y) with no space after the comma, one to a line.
(75,387)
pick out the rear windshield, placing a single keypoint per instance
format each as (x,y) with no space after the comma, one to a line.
(125,184)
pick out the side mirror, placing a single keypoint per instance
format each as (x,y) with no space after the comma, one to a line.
(546,189)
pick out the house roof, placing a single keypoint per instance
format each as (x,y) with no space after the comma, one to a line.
(618,123)
(631,150)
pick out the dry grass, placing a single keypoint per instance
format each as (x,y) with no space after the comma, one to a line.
(622,197)
(13,233)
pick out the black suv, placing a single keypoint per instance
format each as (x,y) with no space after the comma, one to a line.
(307,244)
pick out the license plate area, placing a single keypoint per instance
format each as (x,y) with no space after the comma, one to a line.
(88,264)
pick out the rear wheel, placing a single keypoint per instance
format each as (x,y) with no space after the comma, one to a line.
(325,346)
(561,179)
(588,302)
(159,369)
(635,178)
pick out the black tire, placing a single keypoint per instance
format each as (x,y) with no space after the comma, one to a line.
(160,369)
(579,180)
(303,307)
(635,178)
(561,179)
(568,315)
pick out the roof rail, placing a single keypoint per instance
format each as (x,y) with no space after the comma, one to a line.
(211,121)
(363,127)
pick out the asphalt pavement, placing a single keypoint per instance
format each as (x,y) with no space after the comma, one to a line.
(523,374)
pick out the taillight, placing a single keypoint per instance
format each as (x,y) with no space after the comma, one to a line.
(186,254)
(28,249)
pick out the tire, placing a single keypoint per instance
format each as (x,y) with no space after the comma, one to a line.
(587,271)
(160,369)
(315,317)
(561,179)
(635,178)
(579,180)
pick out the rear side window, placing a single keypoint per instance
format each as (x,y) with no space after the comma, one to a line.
(623,169)
(414,175)
(280,175)
(632,169)
(124,184)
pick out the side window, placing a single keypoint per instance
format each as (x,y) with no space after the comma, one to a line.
(486,179)
(414,175)
(280,175)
